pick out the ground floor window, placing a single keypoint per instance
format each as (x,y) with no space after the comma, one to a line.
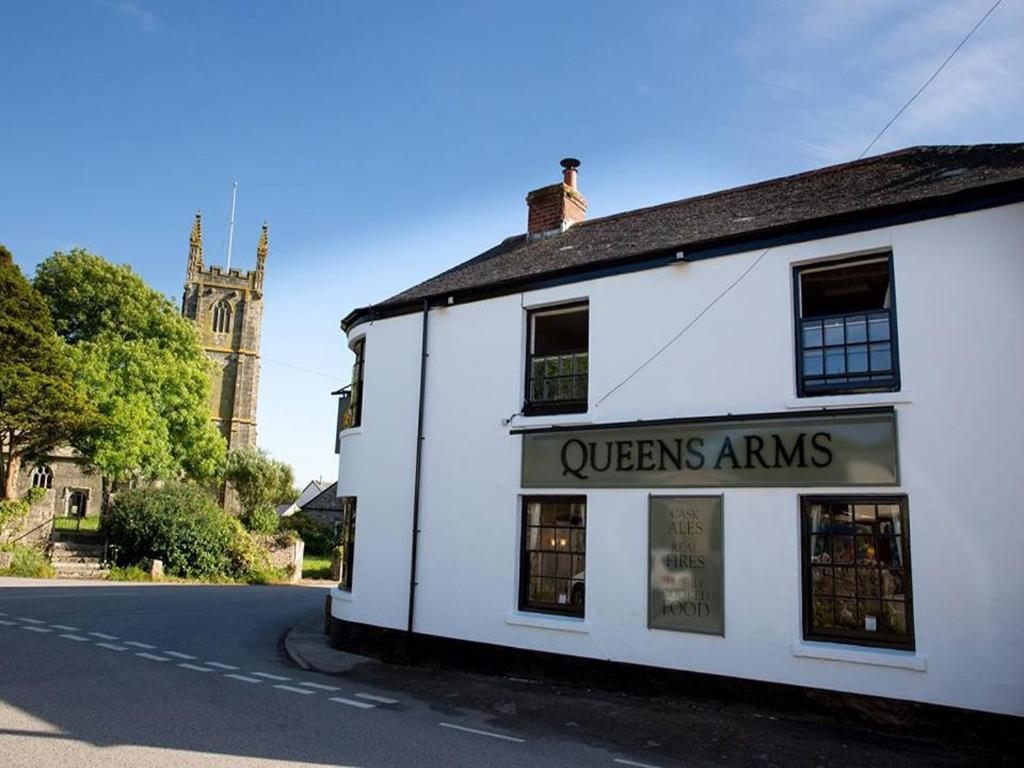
(347,541)
(553,558)
(856,570)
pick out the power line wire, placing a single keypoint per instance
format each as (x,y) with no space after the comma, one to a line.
(757,261)
(687,327)
(929,80)
(310,371)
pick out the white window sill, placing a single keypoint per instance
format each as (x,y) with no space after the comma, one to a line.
(876,657)
(342,595)
(545,621)
(350,432)
(848,401)
(556,420)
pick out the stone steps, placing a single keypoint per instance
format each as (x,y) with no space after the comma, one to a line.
(88,570)
(77,556)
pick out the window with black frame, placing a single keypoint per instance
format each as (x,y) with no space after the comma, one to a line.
(352,416)
(347,541)
(846,327)
(856,570)
(557,360)
(553,560)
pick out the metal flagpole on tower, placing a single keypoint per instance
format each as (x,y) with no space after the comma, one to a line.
(231,226)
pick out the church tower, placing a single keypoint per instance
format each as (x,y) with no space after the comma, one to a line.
(227,309)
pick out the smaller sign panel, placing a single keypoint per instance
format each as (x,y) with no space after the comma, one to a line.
(686,590)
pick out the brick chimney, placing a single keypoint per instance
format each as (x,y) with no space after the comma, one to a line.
(555,208)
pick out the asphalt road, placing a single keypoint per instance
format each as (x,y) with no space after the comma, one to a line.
(154,675)
(175,675)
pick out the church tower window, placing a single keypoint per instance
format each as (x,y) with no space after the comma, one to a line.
(221,317)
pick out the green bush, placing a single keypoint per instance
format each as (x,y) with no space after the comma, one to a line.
(318,537)
(28,561)
(183,526)
(263,519)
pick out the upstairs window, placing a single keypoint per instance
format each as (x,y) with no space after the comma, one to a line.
(353,413)
(221,317)
(846,328)
(42,477)
(557,360)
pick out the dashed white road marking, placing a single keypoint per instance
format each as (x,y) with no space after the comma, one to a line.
(37,629)
(111,646)
(378,699)
(634,763)
(353,702)
(244,678)
(65,627)
(29,621)
(492,734)
(103,636)
(218,665)
(269,676)
(152,656)
(177,655)
(137,644)
(321,687)
(293,689)
(195,667)
(78,638)
(8,623)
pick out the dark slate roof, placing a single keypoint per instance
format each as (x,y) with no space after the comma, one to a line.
(326,500)
(917,183)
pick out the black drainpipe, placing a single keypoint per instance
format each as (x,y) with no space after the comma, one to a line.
(416,487)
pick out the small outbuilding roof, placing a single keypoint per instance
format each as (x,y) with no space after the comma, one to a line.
(326,501)
(907,185)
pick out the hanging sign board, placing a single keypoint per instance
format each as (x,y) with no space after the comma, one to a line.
(686,590)
(821,449)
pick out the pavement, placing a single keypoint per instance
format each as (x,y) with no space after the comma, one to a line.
(107,674)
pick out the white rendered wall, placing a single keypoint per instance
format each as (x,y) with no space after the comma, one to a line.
(958,282)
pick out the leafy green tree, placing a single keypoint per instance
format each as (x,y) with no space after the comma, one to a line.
(259,480)
(40,405)
(140,362)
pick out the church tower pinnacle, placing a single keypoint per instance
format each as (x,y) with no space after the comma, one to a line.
(195,247)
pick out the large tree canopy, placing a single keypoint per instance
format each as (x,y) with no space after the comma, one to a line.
(142,365)
(40,406)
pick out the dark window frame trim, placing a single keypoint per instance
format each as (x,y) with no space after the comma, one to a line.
(552,409)
(522,603)
(798,348)
(355,404)
(348,528)
(840,637)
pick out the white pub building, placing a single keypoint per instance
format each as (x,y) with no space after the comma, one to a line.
(769,433)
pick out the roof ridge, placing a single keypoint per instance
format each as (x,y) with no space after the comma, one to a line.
(767,182)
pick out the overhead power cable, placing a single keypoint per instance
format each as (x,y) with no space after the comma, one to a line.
(685,328)
(310,371)
(929,80)
(757,261)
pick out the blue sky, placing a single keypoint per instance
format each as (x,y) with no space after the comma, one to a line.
(385,142)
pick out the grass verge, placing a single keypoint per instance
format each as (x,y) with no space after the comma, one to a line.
(316,567)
